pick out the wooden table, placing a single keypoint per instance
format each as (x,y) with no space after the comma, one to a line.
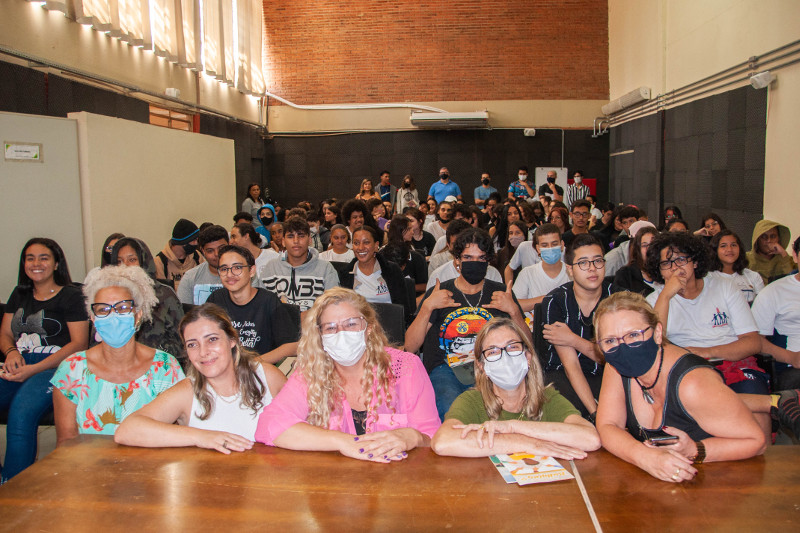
(93,484)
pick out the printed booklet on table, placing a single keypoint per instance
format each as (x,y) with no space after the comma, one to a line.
(525,468)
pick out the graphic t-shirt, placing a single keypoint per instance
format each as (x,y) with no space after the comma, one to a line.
(717,316)
(261,322)
(453,329)
(41,326)
(197,285)
(101,406)
(372,287)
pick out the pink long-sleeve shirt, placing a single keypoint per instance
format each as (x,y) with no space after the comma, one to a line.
(413,400)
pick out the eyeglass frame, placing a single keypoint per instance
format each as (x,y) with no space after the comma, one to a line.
(621,340)
(668,264)
(339,326)
(113,308)
(503,350)
(586,262)
(224,270)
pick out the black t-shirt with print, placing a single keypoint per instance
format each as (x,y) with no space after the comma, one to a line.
(425,245)
(453,329)
(37,323)
(261,322)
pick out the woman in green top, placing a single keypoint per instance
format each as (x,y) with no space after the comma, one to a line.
(510,410)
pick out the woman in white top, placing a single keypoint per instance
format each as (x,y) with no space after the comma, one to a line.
(407,195)
(340,246)
(729,261)
(219,405)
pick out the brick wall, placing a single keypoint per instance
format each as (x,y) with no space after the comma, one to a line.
(337,51)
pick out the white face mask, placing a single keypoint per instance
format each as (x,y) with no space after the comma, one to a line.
(345,347)
(523,177)
(507,372)
(516,240)
(578,180)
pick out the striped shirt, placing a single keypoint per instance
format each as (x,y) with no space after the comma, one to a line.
(575,193)
(560,305)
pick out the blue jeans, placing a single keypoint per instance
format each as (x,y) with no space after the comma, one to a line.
(26,403)
(446,387)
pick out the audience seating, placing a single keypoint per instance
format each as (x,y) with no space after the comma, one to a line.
(392,318)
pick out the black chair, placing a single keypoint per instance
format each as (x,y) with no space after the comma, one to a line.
(539,343)
(411,294)
(392,318)
(294,326)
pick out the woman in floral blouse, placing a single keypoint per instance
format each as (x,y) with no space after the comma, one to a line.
(101,386)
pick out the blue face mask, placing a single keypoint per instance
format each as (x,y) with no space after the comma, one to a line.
(551,256)
(116,329)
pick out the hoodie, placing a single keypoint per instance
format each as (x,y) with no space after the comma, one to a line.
(300,285)
(263,229)
(172,270)
(776,266)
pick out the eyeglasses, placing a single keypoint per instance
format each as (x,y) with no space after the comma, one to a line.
(580,214)
(512,349)
(633,339)
(584,265)
(235,270)
(356,323)
(679,261)
(109,248)
(123,307)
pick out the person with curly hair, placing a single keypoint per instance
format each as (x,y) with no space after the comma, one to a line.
(350,392)
(219,405)
(99,388)
(707,315)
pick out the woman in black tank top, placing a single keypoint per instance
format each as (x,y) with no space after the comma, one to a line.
(661,408)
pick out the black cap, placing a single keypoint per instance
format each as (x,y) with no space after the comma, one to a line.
(184,231)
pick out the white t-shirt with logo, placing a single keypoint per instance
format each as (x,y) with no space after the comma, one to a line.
(749,282)
(372,287)
(777,307)
(717,316)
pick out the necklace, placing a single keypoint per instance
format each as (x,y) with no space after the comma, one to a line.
(48,295)
(646,390)
(480,296)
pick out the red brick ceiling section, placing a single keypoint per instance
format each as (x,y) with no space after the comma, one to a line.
(337,51)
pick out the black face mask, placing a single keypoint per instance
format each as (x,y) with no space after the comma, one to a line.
(485,181)
(474,271)
(407,184)
(444,176)
(551,180)
(633,360)
(189,248)
(266,221)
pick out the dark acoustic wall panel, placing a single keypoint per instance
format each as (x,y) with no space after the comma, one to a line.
(713,151)
(314,168)
(22,90)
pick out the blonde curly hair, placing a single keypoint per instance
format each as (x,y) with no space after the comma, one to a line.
(132,278)
(325,388)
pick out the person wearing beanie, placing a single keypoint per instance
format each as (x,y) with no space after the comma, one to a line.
(179,255)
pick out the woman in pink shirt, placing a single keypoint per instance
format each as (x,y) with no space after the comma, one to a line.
(351,393)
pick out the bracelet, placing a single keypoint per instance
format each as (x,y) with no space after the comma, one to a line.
(701,453)
(593,418)
(9,350)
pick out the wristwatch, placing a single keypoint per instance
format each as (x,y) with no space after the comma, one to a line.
(701,453)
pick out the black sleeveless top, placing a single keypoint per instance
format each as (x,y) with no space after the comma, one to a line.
(674,414)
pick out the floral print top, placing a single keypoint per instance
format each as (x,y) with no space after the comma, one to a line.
(101,405)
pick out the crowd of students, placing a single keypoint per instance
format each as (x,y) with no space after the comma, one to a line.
(530,325)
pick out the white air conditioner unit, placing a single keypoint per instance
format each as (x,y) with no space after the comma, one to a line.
(640,95)
(474,119)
